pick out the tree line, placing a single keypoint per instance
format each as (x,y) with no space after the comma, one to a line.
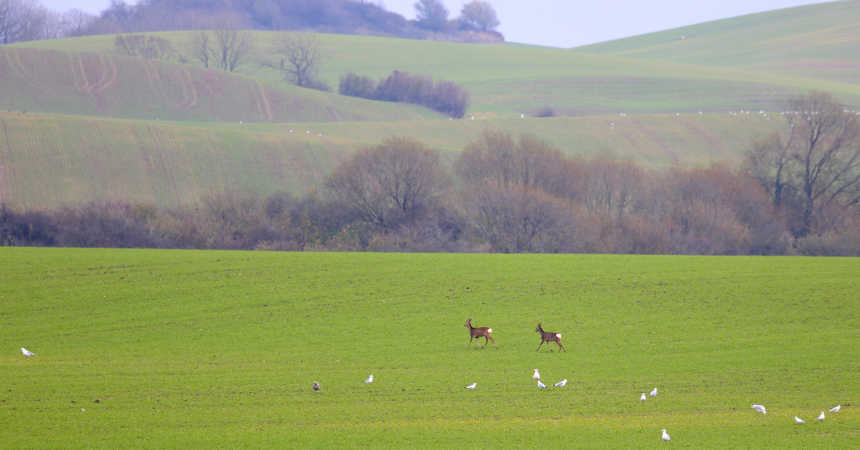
(511,194)
(26,20)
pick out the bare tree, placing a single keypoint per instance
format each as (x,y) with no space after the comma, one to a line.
(74,22)
(478,15)
(201,48)
(498,159)
(827,155)
(431,14)
(231,47)
(21,20)
(768,162)
(149,47)
(389,184)
(513,219)
(813,167)
(302,58)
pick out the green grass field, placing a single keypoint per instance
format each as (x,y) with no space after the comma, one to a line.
(820,41)
(506,80)
(219,349)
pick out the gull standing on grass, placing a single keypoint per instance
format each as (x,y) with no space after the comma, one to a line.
(643,397)
(28,353)
(561,383)
(820,416)
(666,436)
(653,392)
(316,386)
(541,385)
(536,375)
(472,386)
(798,420)
(759,408)
(369,379)
(836,408)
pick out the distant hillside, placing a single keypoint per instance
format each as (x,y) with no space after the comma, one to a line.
(51,160)
(48,160)
(106,84)
(817,41)
(656,99)
(508,79)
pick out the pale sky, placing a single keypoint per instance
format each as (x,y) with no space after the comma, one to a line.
(566,23)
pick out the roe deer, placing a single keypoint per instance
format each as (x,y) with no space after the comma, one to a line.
(480,332)
(549,336)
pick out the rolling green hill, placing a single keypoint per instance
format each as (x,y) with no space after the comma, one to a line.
(506,80)
(181,349)
(49,160)
(106,84)
(819,41)
(656,99)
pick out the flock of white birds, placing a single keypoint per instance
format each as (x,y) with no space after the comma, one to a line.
(562,383)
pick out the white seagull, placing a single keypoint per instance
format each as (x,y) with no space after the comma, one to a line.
(666,436)
(759,408)
(836,408)
(541,385)
(536,376)
(643,397)
(653,392)
(561,383)
(820,416)
(472,386)
(369,379)
(26,352)
(798,420)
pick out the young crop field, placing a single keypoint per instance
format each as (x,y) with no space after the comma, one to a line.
(147,348)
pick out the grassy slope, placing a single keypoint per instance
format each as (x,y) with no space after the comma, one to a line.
(187,349)
(50,160)
(504,80)
(105,84)
(820,41)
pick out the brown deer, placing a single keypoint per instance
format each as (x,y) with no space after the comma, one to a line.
(549,336)
(480,332)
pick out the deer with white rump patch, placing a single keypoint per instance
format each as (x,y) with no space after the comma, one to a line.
(549,336)
(480,332)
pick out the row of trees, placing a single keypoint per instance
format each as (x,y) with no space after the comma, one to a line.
(475,15)
(517,194)
(444,96)
(335,16)
(503,195)
(28,20)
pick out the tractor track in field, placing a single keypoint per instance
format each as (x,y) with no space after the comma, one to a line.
(85,83)
(4,185)
(264,101)
(108,76)
(157,162)
(193,97)
(17,65)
